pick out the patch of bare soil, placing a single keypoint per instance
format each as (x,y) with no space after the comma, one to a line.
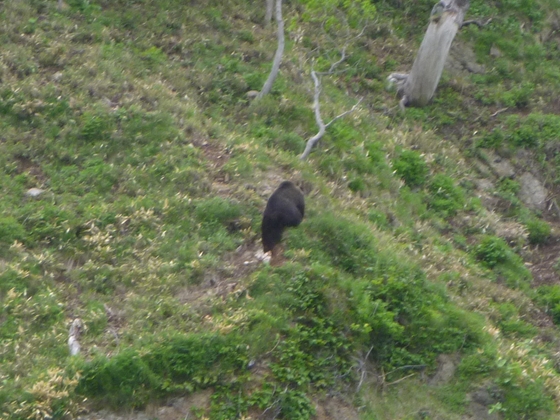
(543,261)
(228,280)
(214,153)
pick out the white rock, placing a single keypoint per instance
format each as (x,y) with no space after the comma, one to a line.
(34,192)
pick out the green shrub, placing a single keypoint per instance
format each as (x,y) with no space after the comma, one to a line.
(518,97)
(95,126)
(357,185)
(539,231)
(548,297)
(349,245)
(408,320)
(524,397)
(48,223)
(508,186)
(495,254)
(511,324)
(180,363)
(492,251)
(411,167)
(379,218)
(481,362)
(444,196)
(10,230)
(493,139)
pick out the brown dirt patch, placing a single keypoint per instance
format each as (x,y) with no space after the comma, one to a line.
(237,266)
(24,164)
(543,260)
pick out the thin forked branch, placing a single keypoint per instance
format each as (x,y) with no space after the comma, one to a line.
(317,107)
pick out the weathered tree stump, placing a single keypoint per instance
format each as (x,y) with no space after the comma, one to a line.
(418,87)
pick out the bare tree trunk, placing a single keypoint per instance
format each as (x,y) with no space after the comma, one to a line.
(268,14)
(279,52)
(419,86)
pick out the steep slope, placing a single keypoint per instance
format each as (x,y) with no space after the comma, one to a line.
(422,282)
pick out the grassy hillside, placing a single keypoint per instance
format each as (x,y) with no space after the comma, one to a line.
(422,283)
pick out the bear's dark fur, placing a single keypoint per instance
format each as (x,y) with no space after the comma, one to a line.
(284,209)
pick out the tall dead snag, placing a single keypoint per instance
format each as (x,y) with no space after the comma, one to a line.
(279,52)
(418,87)
(316,108)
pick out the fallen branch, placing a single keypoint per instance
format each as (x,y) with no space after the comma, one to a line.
(384,375)
(399,380)
(499,111)
(476,22)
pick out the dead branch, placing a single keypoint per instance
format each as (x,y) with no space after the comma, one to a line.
(322,126)
(399,380)
(499,111)
(279,52)
(478,23)
(362,368)
(317,106)
(384,375)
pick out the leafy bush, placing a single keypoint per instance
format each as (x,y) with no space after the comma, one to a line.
(357,185)
(445,197)
(379,218)
(478,363)
(180,363)
(539,231)
(511,324)
(409,320)
(411,167)
(350,245)
(492,251)
(548,297)
(493,139)
(48,222)
(95,126)
(524,396)
(536,129)
(10,230)
(495,254)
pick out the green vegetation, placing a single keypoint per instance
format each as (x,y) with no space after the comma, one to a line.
(155,164)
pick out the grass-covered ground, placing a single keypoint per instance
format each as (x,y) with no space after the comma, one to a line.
(418,281)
